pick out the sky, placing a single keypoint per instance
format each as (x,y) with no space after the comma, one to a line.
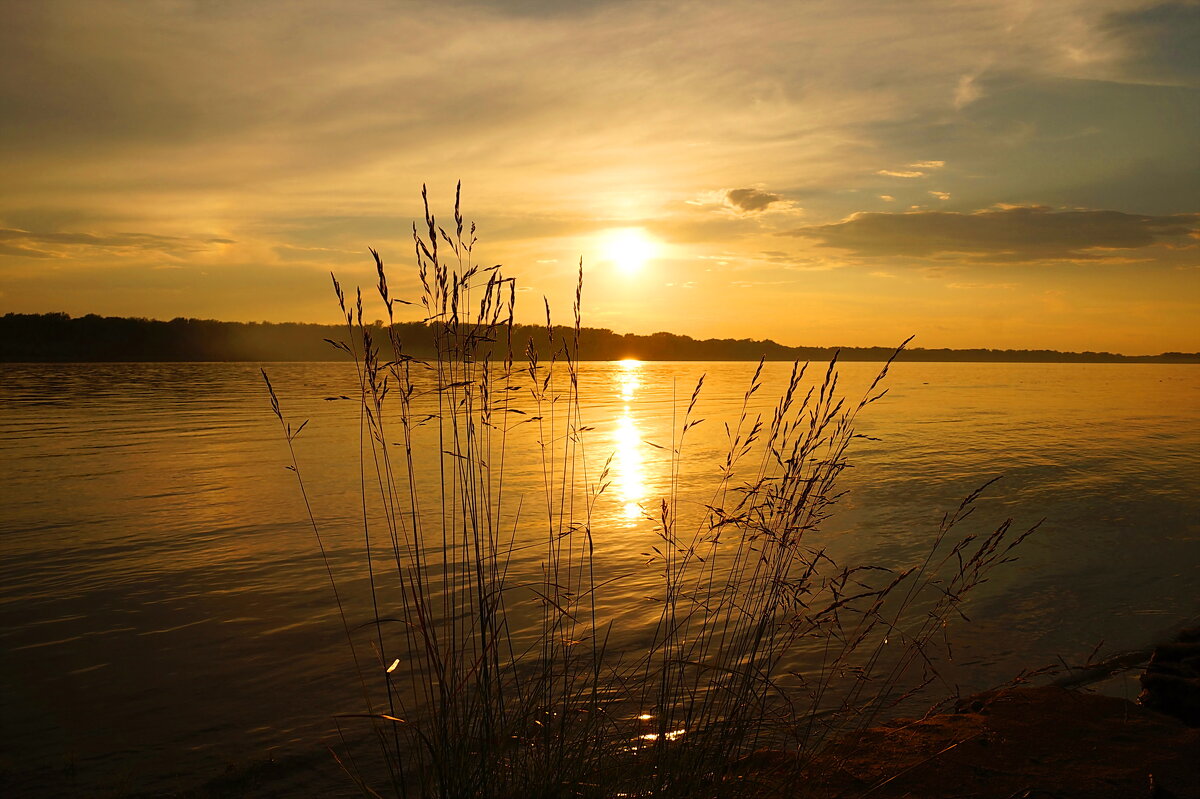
(1017,174)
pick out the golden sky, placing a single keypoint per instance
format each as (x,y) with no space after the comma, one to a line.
(1016,174)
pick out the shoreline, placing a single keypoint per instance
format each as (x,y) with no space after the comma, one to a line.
(1017,743)
(60,338)
(1025,742)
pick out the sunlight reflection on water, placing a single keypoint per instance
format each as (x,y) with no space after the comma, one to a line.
(628,462)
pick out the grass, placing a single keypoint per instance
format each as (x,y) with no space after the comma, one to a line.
(486,667)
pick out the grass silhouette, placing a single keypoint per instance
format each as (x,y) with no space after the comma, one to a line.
(483,677)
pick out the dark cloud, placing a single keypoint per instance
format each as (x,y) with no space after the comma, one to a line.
(1024,233)
(1065,143)
(541,9)
(751,200)
(1163,41)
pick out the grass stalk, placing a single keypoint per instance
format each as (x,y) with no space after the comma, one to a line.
(498,674)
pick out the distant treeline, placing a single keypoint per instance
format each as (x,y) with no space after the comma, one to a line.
(58,337)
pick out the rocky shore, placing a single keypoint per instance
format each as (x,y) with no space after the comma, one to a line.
(1034,743)
(1021,743)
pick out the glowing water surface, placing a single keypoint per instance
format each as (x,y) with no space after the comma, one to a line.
(164,614)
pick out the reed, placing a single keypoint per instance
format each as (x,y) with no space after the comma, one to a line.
(485,666)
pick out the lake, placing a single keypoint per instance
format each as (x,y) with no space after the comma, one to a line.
(167,624)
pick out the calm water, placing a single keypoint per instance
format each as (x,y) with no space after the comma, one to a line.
(165,619)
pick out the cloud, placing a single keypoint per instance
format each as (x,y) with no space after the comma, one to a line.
(982,286)
(541,9)
(1159,42)
(751,200)
(738,209)
(746,284)
(33,244)
(16,251)
(941,195)
(289,252)
(914,170)
(1015,233)
(967,91)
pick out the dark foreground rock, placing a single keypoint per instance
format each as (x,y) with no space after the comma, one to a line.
(1023,743)
(1171,682)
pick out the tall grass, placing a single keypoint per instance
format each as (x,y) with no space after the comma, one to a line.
(483,676)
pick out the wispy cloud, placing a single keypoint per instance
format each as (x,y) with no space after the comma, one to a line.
(53,244)
(963,286)
(967,91)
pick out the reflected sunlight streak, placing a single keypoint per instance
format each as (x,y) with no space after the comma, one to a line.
(630,477)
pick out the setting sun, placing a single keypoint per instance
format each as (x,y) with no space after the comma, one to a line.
(629,249)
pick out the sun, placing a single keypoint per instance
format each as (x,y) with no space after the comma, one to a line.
(629,249)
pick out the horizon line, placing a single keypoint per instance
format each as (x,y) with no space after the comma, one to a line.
(767,341)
